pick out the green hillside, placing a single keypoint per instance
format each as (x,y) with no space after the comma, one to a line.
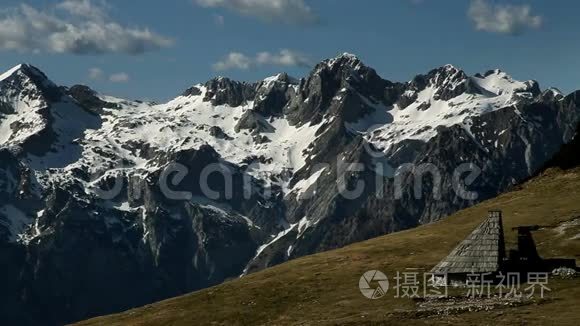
(322,289)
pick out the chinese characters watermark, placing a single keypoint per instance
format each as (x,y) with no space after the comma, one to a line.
(413,284)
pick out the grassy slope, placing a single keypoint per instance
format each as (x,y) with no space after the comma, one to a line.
(323,288)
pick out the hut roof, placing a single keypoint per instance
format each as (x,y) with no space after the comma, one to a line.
(481,252)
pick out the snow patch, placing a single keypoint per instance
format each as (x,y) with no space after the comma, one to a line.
(10,72)
(303,185)
(387,126)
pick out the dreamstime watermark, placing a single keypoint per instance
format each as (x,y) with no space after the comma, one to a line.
(223,181)
(374,285)
(218,181)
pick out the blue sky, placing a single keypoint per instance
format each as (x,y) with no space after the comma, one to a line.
(151,49)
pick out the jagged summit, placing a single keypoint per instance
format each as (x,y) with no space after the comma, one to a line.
(349,55)
(448,81)
(27,77)
(223,90)
(25,68)
(343,60)
(11,71)
(280,77)
(450,66)
(552,94)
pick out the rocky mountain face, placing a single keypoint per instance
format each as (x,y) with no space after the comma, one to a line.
(108,204)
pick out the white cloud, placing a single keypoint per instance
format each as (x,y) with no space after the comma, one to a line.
(504,19)
(96,73)
(285,11)
(121,77)
(86,30)
(84,8)
(285,58)
(233,60)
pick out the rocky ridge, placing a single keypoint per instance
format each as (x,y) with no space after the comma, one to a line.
(87,229)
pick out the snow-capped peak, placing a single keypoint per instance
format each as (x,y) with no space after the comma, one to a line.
(447,76)
(555,90)
(349,56)
(552,94)
(445,96)
(278,78)
(281,77)
(31,75)
(11,71)
(450,67)
(345,59)
(26,68)
(271,79)
(499,82)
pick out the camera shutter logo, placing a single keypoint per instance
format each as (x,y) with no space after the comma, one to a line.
(373,277)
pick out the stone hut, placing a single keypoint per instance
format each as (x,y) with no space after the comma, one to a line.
(483,251)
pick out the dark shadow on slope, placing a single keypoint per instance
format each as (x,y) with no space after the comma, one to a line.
(568,157)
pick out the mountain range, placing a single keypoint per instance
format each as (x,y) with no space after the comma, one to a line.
(109,203)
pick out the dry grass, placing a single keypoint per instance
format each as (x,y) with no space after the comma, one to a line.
(322,289)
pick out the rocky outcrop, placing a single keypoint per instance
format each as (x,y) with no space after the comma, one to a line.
(253,122)
(192,91)
(221,91)
(88,99)
(330,82)
(218,132)
(273,94)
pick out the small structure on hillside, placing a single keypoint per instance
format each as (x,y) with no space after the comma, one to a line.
(483,251)
(526,258)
